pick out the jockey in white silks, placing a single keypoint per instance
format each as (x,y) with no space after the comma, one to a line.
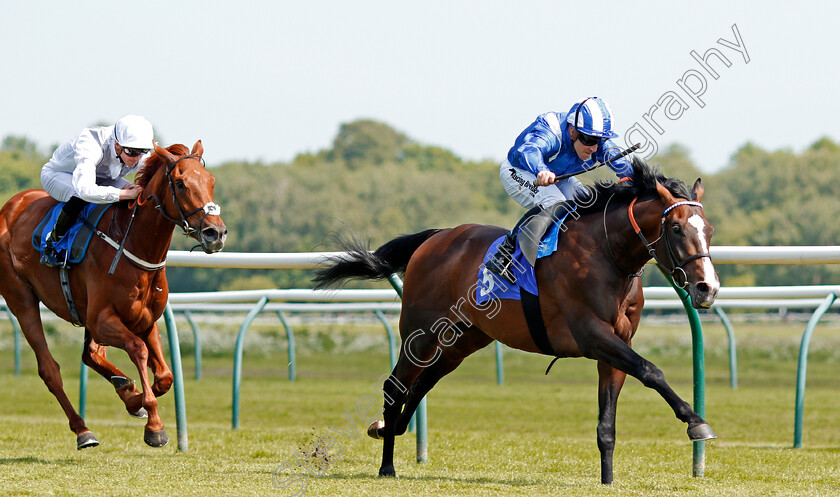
(91,168)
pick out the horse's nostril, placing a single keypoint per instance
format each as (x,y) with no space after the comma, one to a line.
(210,234)
(703,287)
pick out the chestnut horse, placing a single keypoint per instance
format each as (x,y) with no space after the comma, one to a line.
(122,309)
(590,298)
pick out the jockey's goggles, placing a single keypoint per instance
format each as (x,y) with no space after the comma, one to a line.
(134,152)
(589,140)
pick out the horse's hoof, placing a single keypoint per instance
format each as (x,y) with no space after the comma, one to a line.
(387,471)
(373,431)
(86,439)
(155,438)
(701,431)
(120,382)
(140,413)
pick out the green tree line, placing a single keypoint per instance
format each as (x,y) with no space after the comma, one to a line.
(379,183)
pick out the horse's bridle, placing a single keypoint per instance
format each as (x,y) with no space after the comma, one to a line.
(676,270)
(210,209)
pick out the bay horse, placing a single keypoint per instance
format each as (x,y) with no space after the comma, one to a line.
(119,310)
(589,294)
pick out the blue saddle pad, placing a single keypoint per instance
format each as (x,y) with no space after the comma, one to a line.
(492,286)
(77,238)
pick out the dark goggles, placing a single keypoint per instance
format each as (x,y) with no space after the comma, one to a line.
(134,152)
(589,140)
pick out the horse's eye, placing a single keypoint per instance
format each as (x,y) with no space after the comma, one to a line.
(179,184)
(677,229)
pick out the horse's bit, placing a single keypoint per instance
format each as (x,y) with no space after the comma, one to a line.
(210,209)
(676,264)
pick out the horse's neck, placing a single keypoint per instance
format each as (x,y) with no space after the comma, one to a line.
(627,247)
(150,233)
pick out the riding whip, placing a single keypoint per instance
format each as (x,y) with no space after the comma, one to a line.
(621,155)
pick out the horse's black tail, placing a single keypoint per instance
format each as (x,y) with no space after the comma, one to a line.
(360,264)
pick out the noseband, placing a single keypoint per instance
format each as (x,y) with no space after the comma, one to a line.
(676,270)
(676,264)
(210,209)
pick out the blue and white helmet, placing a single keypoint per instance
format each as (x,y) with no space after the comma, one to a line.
(592,116)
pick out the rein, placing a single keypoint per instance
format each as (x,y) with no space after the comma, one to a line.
(676,264)
(210,209)
(631,274)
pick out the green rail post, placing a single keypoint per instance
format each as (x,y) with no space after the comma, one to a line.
(420,414)
(422,439)
(290,336)
(237,361)
(83,381)
(188,315)
(392,340)
(699,370)
(178,373)
(16,329)
(802,369)
(733,353)
(500,369)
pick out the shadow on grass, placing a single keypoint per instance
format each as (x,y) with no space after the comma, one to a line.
(519,482)
(37,460)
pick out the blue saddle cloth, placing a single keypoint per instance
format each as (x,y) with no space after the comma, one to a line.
(492,286)
(77,238)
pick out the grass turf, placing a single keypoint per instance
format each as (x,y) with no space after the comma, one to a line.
(534,435)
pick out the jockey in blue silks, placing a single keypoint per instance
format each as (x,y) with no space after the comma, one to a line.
(556,144)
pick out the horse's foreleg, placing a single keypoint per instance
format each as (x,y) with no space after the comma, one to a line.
(163,375)
(603,345)
(111,331)
(94,356)
(610,381)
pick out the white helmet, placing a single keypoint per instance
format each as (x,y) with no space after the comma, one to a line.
(134,132)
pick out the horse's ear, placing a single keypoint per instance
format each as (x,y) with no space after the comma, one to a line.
(198,148)
(698,190)
(164,153)
(666,196)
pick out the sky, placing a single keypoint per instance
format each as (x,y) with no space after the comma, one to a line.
(268,80)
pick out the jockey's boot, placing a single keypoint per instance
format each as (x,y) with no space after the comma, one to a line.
(66,218)
(501,262)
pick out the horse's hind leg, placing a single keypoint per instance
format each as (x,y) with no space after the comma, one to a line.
(610,381)
(48,369)
(395,391)
(420,367)
(471,340)
(94,356)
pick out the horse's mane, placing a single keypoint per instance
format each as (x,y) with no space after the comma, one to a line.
(155,162)
(643,186)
